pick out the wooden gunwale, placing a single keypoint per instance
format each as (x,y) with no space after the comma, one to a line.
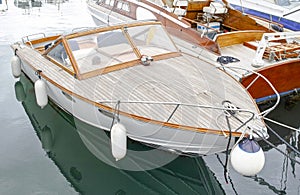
(42,40)
(136,117)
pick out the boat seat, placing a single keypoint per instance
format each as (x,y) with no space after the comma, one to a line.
(215,8)
(179,11)
(180,7)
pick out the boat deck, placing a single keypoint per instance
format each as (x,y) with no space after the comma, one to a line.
(162,81)
(242,53)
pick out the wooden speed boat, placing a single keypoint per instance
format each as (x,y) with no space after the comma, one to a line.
(213,25)
(133,74)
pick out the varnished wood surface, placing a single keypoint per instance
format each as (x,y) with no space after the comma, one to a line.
(238,37)
(284,75)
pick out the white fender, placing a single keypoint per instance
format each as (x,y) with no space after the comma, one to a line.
(40,89)
(247,158)
(118,141)
(16,66)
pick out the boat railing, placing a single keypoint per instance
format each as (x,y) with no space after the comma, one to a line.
(258,75)
(229,110)
(29,38)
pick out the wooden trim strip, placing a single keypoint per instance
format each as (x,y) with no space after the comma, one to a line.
(126,65)
(71,57)
(133,46)
(42,40)
(109,69)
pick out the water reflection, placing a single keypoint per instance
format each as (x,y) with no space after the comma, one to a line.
(26,4)
(286,113)
(75,148)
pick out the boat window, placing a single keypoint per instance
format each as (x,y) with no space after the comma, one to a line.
(59,54)
(101,50)
(151,40)
(119,5)
(123,6)
(100,2)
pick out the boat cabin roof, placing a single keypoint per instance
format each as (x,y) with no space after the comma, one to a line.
(102,50)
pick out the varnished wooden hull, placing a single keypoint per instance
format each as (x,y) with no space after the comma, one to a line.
(283,76)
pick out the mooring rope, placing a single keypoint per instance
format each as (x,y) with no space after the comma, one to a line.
(281,139)
(281,124)
(273,146)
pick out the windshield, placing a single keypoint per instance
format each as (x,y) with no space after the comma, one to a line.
(151,40)
(121,47)
(101,50)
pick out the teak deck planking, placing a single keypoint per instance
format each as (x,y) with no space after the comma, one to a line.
(117,85)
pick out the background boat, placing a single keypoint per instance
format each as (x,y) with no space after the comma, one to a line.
(193,35)
(284,12)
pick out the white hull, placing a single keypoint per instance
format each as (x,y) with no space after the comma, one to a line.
(168,138)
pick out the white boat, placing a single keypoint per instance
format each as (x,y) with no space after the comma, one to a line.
(285,12)
(133,74)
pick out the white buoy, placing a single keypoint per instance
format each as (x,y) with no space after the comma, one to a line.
(40,89)
(118,141)
(247,157)
(16,66)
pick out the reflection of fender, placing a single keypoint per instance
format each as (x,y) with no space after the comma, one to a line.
(46,138)
(19,91)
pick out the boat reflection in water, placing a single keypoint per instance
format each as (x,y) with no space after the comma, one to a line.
(76,149)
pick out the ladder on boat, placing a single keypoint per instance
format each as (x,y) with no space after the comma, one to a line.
(282,51)
(278,51)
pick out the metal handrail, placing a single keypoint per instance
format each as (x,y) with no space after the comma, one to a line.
(177,104)
(264,113)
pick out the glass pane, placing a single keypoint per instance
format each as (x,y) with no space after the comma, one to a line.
(101,50)
(151,40)
(59,54)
